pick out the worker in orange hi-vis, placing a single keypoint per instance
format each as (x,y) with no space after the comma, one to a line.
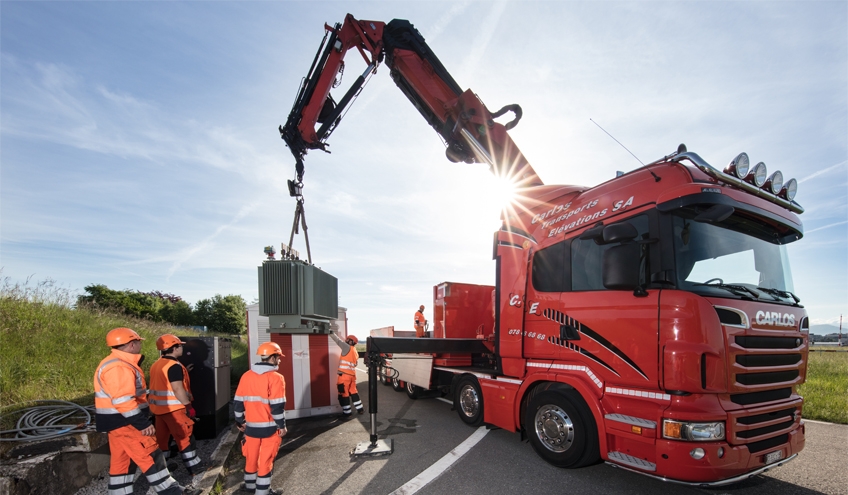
(420,323)
(348,395)
(121,410)
(260,411)
(170,401)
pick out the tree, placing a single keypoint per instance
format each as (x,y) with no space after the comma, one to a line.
(203,313)
(178,313)
(224,314)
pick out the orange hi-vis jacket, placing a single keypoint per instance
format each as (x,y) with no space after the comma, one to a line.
(347,363)
(260,401)
(419,320)
(120,393)
(161,395)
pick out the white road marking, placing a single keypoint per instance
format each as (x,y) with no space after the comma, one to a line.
(442,465)
(445,400)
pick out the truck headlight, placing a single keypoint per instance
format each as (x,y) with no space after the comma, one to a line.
(693,432)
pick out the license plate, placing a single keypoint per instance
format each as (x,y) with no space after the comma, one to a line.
(773,457)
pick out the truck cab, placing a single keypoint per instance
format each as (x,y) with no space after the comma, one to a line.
(658,306)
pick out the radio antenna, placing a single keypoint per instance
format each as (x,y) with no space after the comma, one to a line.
(656,178)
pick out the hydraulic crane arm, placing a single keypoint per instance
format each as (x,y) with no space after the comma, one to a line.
(467,127)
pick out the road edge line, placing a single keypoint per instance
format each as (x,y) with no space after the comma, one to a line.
(442,465)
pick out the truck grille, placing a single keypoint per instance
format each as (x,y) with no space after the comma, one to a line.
(764,366)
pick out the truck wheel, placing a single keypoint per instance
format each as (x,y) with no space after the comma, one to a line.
(561,429)
(397,385)
(468,401)
(386,380)
(413,391)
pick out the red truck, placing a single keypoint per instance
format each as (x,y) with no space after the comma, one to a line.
(648,321)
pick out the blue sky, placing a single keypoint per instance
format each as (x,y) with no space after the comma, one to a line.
(139,145)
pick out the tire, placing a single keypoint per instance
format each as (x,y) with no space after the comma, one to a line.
(398,385)
(561,429)
(413,391)
(468,401)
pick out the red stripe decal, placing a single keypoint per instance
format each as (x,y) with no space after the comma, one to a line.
(286,366)
(319,369)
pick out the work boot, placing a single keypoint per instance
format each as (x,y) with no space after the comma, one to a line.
(360,411)
(195,480)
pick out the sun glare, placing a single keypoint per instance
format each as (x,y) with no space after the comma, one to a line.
(502,192)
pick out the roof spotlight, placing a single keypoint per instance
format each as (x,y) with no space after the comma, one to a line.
(739,166)
(789,190)
(757,175)
(774,183)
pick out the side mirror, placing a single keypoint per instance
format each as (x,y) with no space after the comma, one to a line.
(619,232)
(621,266)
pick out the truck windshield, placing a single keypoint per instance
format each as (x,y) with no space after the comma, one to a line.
(723,260)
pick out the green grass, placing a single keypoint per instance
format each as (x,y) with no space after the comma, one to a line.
(826,389)
(49,349)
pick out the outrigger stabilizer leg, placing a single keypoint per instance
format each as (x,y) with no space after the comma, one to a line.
(373,447)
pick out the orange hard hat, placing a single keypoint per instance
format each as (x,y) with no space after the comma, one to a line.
(121,336)
(167,341)
(353,338)
(269,349)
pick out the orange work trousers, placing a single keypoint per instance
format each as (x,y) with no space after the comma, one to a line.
(176,423)
(128,444)
(347,385)
(259,454)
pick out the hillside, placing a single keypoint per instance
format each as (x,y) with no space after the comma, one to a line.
(49,349)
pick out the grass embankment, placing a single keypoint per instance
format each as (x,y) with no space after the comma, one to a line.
(49,350)
(826,389)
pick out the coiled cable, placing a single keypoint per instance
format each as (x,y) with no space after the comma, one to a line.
(47,420)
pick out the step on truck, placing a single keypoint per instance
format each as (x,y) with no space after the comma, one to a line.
(649,321)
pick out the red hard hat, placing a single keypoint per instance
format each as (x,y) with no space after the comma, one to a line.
(121,336)
(167,341)
(269,349)
(353,338)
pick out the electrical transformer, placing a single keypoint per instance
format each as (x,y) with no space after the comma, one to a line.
(297,297)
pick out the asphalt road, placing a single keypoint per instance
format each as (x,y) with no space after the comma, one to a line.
(315,459)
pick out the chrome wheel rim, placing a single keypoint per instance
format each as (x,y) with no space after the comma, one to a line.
(554,428)
(469,401)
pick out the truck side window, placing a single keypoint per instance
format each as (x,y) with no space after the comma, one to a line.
(551,268)
(587,258)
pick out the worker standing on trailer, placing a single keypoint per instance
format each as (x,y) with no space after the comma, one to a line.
(170,401)
(347,375)
(420,323)
(121,410)
(260,411)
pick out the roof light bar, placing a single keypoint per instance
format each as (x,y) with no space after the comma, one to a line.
(757,174)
